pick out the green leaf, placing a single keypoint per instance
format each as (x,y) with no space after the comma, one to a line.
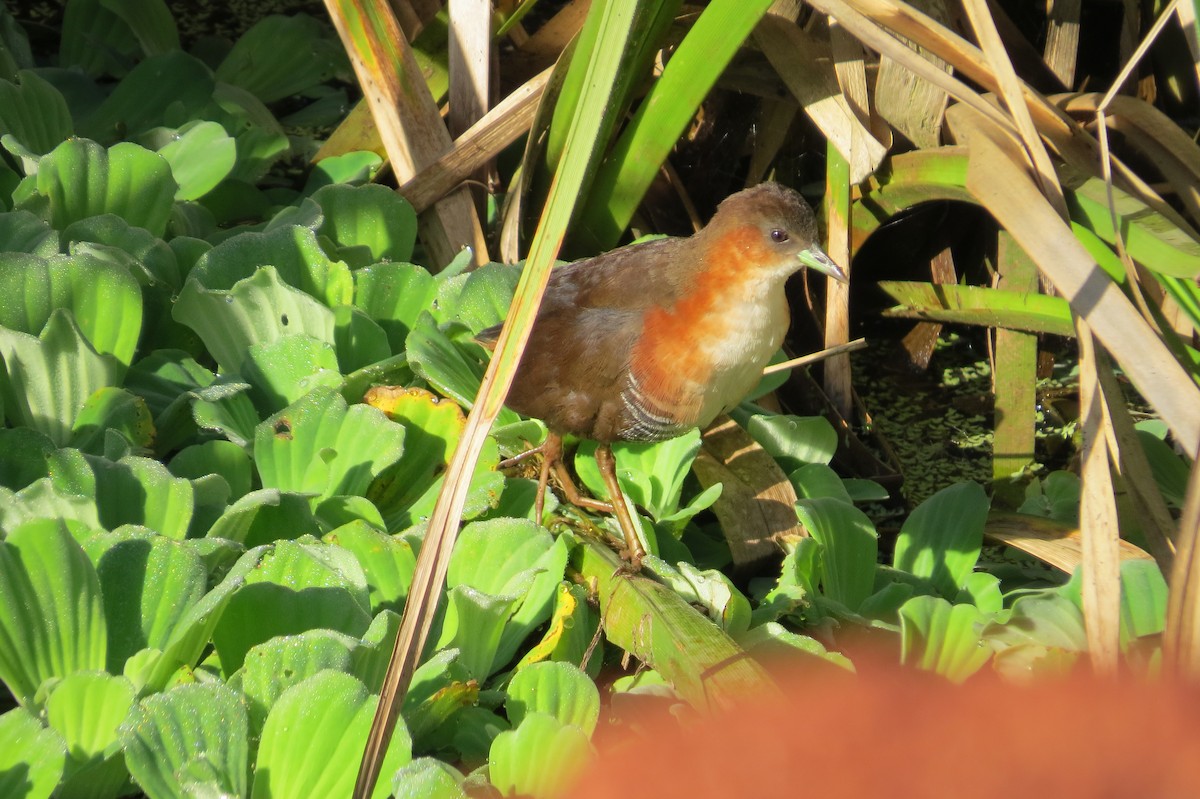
(51,610)
(478,299)
(388,562)
(652,474)
(318,445)
(154,264)
(943,638)
(227,409)
(1043,619)
(358,340)
(296,587)
(284,370)
(541,757)
(191,737)
(1170,471)
(23,455)
(276,665)
(442,362)
(510,558)
(31,756)
(355,167)
(150,584)
(150,21)
(394,295)
(87,709)
(142,491)
(21,231)
(1055,496)
(95,39)
(281,56)
(293,251)
(193,635)
(201,155)
(693,69)
(942,537)
(427,778)
(261,140)
(570,633)
(173,85)
(1143,598)
(313,736)
(371,218)
(105,301)
(849,547)
(474,625)
(258,310)
(710,591)
(34,113)
(405,492)
(818,480)
(561,690)
(793,440)
(112,409)
(215,457)
(264,516)
(82,179)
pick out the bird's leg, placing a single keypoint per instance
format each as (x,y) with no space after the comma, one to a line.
(551,450)
(633,538)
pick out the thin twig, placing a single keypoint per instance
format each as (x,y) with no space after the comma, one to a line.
(805,360)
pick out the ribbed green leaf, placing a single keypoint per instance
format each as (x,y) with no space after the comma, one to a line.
(150,21)
(539,758)
(51,610)
(150,583)
(372,219)
(258,310)
(172,85)
(387,561)
(942,537)
(87,709)
(319,445)
(848,548)
(394,295)
(34,113)
(561,690)
(943,638)
(296,587)
(281,56)
(201,155)
(81,179)
(191,738)
(31,756)
(272,667)
(313,737)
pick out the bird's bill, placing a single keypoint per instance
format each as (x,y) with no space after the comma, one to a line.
(815,258)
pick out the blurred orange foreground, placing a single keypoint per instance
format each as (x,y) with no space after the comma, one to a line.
(905,734)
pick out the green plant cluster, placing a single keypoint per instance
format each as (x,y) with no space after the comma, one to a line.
(227,410)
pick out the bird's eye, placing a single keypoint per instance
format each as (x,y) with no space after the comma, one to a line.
(779,236)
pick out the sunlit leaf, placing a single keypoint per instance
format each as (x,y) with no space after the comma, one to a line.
(31,756)
(87,709)
(189,735)
(81,179)
(312,738)
(51,610)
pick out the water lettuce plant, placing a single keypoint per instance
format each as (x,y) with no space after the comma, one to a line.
(229,402)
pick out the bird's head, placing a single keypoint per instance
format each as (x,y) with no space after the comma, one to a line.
(773,227)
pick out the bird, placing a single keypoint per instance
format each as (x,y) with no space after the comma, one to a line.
(653,339)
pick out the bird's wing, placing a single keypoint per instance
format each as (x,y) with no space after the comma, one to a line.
(614,281)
